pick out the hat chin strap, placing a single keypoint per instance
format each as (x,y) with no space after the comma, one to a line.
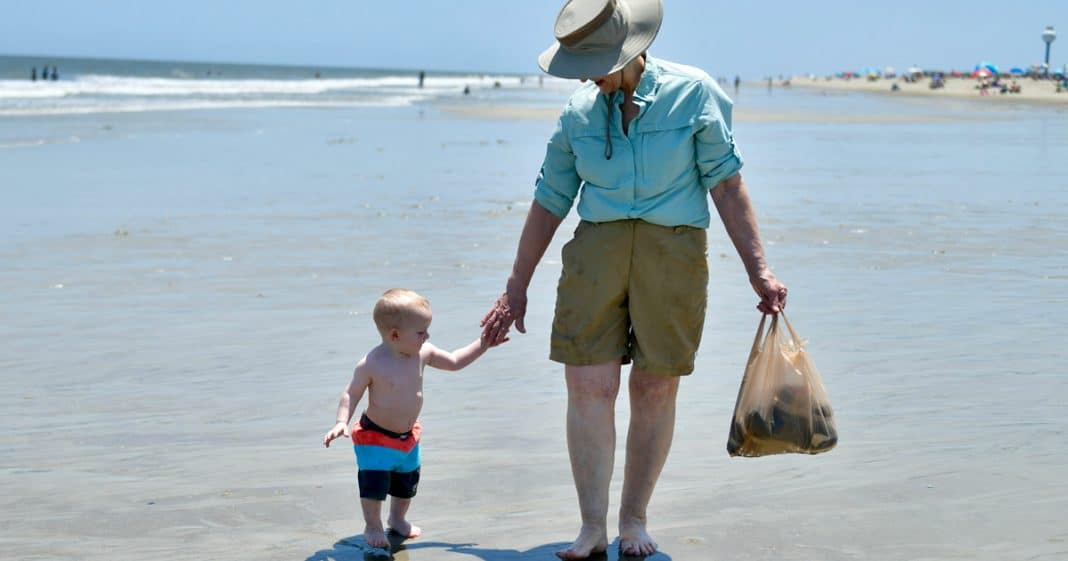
(608,121)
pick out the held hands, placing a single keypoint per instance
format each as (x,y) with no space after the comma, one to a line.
(510,307)
(772,293)
(340,429)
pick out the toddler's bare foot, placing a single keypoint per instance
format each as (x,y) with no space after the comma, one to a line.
(375,537)
(405,528)
(634,540)
(591,539)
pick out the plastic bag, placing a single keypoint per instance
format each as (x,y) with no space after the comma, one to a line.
(782,406)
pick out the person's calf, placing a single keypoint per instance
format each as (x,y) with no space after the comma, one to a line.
(373,532)
(398,522)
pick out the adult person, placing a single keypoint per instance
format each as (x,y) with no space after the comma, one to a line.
(647,141)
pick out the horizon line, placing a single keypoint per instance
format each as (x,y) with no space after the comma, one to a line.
(277,64)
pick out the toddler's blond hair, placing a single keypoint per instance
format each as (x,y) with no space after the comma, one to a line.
(398,306)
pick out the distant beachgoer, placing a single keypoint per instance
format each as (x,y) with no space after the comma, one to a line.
(737,83)
(496,83)
(318,75)
(634,278)
(894,87)
(541,81)
(55,74)
(422,76)
(467,90)
(33,74)
(386,437)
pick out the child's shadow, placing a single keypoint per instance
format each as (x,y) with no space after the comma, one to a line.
(354,548)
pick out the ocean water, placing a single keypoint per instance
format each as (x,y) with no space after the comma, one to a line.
(187,279)
(86,86)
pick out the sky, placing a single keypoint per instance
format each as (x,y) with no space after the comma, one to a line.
(751,38)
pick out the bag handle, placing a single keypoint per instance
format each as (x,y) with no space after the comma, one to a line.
(793,334)
(757,339)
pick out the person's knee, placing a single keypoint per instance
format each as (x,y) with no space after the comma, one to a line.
(593,393)
(593,384)
(653,388)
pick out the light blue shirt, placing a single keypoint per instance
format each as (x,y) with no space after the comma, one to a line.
(678,148)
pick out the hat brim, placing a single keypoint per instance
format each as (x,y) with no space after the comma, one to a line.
(642,27)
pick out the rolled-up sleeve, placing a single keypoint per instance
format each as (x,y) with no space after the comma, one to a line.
(717,156)
(558,181)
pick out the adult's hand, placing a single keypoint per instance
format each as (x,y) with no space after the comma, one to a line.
(510,307)
(772,293)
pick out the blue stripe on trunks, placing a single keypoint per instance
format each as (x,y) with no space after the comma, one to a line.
(369,457)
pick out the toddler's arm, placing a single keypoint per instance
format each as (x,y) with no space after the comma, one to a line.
(459,358)
(347,404)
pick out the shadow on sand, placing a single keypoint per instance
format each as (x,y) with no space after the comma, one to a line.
(354,548)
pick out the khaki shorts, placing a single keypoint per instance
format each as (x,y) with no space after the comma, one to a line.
(632,290)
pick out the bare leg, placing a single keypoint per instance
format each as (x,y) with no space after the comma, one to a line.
(398,509)
(372,519)
(591,443)
(652,425)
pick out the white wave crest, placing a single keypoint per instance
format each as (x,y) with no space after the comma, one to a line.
(105,85)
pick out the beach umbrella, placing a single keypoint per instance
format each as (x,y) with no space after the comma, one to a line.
(1017,71)
(989,66)
(981,73)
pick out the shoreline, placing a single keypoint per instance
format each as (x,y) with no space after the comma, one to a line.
(502,112)
(1033,91)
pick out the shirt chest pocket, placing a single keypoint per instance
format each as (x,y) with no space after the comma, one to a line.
(591,164)
(667,155)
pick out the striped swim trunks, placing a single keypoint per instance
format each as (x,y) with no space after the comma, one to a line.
(387,462)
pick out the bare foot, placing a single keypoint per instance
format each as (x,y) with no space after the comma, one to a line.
(634,540)
(589,541)
(405,529)
(375,537)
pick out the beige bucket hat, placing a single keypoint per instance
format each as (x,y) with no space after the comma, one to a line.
(599,37)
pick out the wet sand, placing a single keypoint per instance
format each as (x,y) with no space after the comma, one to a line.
(185,294)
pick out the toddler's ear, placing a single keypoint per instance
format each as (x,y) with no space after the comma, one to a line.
(394,334)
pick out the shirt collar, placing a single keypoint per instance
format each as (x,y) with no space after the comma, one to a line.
(647,85)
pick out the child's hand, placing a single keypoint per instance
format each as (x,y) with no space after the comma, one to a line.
(487,344)
(340,429)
